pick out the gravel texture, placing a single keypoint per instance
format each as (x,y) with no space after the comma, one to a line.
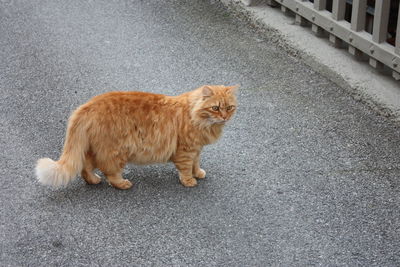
(304,175)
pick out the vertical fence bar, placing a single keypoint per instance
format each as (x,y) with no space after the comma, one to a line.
(397,50)
(395,74)
(375,64)
(381,19)
(358,14)
(299,20)
(379,31)
(320,4)
(338,12)
(338,9)
(336,42)
(318,31)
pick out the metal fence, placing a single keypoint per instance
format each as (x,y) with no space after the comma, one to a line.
(368,28)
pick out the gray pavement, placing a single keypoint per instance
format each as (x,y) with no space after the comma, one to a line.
(304,175)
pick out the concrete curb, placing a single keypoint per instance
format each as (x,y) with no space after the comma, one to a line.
(379,91)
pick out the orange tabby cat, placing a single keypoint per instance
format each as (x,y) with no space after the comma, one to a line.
(143,128)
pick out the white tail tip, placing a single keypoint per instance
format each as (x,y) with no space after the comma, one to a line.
(49,172)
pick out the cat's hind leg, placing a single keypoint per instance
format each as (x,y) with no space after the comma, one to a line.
(87,173)
(112,167)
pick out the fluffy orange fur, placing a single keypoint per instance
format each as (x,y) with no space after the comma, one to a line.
(115,128)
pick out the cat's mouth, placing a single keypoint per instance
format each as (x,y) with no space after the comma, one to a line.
(216,121)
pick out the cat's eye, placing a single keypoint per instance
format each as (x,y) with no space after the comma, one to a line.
(215,108)
(229,107)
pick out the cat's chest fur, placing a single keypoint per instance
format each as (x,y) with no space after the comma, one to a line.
(198,137)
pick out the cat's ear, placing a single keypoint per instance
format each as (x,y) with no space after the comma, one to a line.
(232,89)
(207,91)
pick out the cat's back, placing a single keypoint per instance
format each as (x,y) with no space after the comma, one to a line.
(120,98)
(125,102)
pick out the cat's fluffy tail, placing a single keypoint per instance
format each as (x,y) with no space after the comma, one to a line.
(50,172)
(61,172)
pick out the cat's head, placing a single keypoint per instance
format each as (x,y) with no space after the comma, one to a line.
(215,104)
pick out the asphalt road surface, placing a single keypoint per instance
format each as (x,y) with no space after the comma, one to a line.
(304,175)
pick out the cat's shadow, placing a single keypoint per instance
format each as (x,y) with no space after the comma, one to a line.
(160,181)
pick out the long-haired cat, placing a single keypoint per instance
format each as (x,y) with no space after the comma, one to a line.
(115,128)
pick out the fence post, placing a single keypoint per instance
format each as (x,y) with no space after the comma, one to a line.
(395,63)
(397,44)
(338,9)
(338,12)
(320,4)
(300,20)
(358,15)
(381,19)
(379,31)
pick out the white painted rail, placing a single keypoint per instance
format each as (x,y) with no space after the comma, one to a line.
(361,24)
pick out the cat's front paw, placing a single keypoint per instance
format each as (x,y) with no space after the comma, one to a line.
(201,174)
(188,182)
